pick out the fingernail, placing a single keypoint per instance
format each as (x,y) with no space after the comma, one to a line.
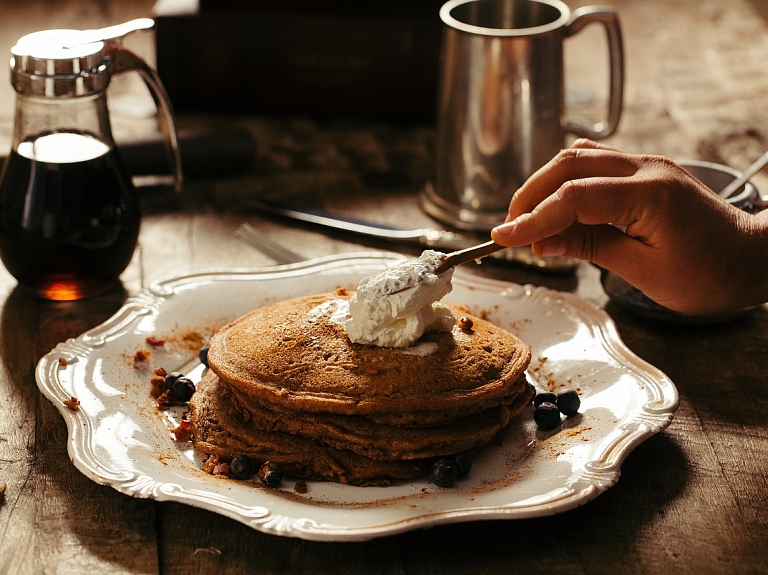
(553,246)
(506,228)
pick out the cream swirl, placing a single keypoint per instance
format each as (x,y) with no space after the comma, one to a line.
(396,306)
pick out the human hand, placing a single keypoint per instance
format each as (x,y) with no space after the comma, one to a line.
(649,221)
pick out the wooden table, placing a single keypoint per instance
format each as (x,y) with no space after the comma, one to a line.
(691,499)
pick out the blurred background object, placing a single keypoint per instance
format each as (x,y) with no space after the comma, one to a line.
(338,58)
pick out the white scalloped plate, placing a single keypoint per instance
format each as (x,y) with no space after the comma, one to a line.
(118,437)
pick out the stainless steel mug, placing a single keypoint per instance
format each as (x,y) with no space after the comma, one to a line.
(501,109)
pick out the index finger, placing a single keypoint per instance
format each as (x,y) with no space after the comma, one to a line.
(568,165)
(589,201)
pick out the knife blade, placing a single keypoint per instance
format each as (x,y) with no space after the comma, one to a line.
(424,237)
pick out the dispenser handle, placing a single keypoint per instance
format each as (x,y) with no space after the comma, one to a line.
(124,60)
(115,32)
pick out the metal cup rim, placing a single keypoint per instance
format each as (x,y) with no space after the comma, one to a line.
(447,17)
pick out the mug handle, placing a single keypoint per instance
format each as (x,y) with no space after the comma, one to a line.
(123,61)
(609,18)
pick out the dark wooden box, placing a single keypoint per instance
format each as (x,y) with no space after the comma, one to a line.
(335,59)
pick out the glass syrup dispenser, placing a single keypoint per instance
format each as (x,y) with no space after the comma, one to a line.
(69,215)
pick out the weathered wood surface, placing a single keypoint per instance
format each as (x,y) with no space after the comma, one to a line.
(690,500)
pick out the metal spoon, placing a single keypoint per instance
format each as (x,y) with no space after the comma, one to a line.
(459,257)
(756,166)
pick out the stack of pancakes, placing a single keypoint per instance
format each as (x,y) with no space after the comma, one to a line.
(286,385)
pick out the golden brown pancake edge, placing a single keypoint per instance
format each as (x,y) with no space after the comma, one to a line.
(290,353)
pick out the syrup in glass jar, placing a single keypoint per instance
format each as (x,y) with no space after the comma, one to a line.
(69,216)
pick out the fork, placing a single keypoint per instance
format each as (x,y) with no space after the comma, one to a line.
(255,238)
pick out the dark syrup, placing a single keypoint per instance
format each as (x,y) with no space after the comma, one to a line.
(67,229)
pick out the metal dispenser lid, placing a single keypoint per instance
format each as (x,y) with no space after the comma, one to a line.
(66,63)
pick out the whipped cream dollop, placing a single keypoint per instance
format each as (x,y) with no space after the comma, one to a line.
(396,306)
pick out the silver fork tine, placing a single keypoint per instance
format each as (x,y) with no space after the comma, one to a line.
(255,238)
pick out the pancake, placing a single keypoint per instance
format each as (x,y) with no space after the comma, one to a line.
(220,429)
(285,384)
(371,439)
(296,354)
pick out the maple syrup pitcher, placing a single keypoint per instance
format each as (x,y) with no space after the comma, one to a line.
(69,215)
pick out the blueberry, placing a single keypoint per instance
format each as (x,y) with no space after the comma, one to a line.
(463,464)
(568,402)
(202,355)
(271,474)
(543,396)
(242,467)
(183,388)
(547,416)
(444,472)
(171,378)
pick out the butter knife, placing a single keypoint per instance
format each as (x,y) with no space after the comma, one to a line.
(424,237)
